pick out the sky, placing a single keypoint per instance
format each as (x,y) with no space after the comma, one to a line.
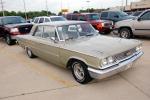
(56,5)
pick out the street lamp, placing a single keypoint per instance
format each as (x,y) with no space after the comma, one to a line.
(25,9)
(46,7)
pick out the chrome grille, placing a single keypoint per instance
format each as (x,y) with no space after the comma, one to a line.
(125,54)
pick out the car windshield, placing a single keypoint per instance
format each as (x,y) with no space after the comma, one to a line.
(93,17)
(75,31)
(13,20)
(122,14)
(53,19)
(137,13)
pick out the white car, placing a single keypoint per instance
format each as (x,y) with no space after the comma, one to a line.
(136,26)
(44,19)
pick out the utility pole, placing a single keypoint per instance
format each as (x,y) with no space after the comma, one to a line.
(2,5)
(126,2)
(25,11)
(46,7)
(88,5)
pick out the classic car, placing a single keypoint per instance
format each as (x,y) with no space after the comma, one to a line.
(76,45)
(11,26)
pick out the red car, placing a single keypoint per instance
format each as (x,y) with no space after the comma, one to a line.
(11,26)
(103,26)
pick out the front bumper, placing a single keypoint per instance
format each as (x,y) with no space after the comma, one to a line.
(121,66)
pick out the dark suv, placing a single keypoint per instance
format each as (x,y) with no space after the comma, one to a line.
(11,26)
(103,26)
(115,16)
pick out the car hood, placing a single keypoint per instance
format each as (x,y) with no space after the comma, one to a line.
(101,46)
(17,25)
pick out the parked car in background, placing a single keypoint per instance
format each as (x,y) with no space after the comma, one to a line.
(137,13)
(11,26)
(115,16)
(136,26)
(76,45)
(103,26)
(44,19)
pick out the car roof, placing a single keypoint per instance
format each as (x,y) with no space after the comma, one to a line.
(60,23)
(9,16)
(48,16)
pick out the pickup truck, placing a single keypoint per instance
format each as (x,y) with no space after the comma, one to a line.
(136,26)
(11,26)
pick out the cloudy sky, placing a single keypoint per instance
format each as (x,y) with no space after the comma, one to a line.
(55,5)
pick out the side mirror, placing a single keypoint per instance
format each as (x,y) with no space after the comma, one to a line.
(139,19)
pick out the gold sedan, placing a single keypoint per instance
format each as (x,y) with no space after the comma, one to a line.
(78,46)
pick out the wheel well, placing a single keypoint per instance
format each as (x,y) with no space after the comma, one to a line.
(125,27)
(71,61)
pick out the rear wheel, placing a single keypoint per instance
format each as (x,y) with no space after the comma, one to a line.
(80,72)
(29,53)
(125,33)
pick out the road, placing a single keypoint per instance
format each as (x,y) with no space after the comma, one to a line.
(22,78)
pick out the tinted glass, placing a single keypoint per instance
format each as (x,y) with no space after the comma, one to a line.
(137,13)
(104,14)
(93,16)
(122,14)
(53,19)
(41,20)
(1,22)
(146,16)
(36,20)
(113,15)
(74,17)
(82,18)
(68,17)
(47,20)
(13,20)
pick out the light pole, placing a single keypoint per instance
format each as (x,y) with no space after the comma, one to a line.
(2,7)
(25,9)
(88,5)
(126,2)
(46,7)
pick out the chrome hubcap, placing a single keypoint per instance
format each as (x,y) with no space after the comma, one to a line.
(78,71)
(29,52)
(124,34)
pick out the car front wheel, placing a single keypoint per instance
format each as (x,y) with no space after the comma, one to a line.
(80,72)
(8,40)
(29,53)
(125,33)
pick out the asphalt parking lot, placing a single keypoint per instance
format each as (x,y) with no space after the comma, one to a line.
(22,78)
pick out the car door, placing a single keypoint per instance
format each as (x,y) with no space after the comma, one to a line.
(142,25)
(46,44)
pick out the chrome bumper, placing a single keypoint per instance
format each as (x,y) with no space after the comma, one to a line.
(122,66)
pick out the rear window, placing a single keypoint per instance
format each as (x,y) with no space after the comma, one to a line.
(93,16)
(74,17)
(36,20)
(104,14)
(41,20)
(68,17)
(57,19)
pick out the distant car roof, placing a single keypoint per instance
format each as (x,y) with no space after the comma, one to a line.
(48,16)
(60,23)
(9,16)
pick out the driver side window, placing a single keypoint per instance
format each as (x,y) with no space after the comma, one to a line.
(38,31)
(145,16)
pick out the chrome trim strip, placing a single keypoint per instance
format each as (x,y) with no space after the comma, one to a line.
(100,74)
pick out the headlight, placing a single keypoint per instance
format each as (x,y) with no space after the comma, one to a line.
(110,59)
(14,30)
(138,48)
(107,61)
(104,62)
